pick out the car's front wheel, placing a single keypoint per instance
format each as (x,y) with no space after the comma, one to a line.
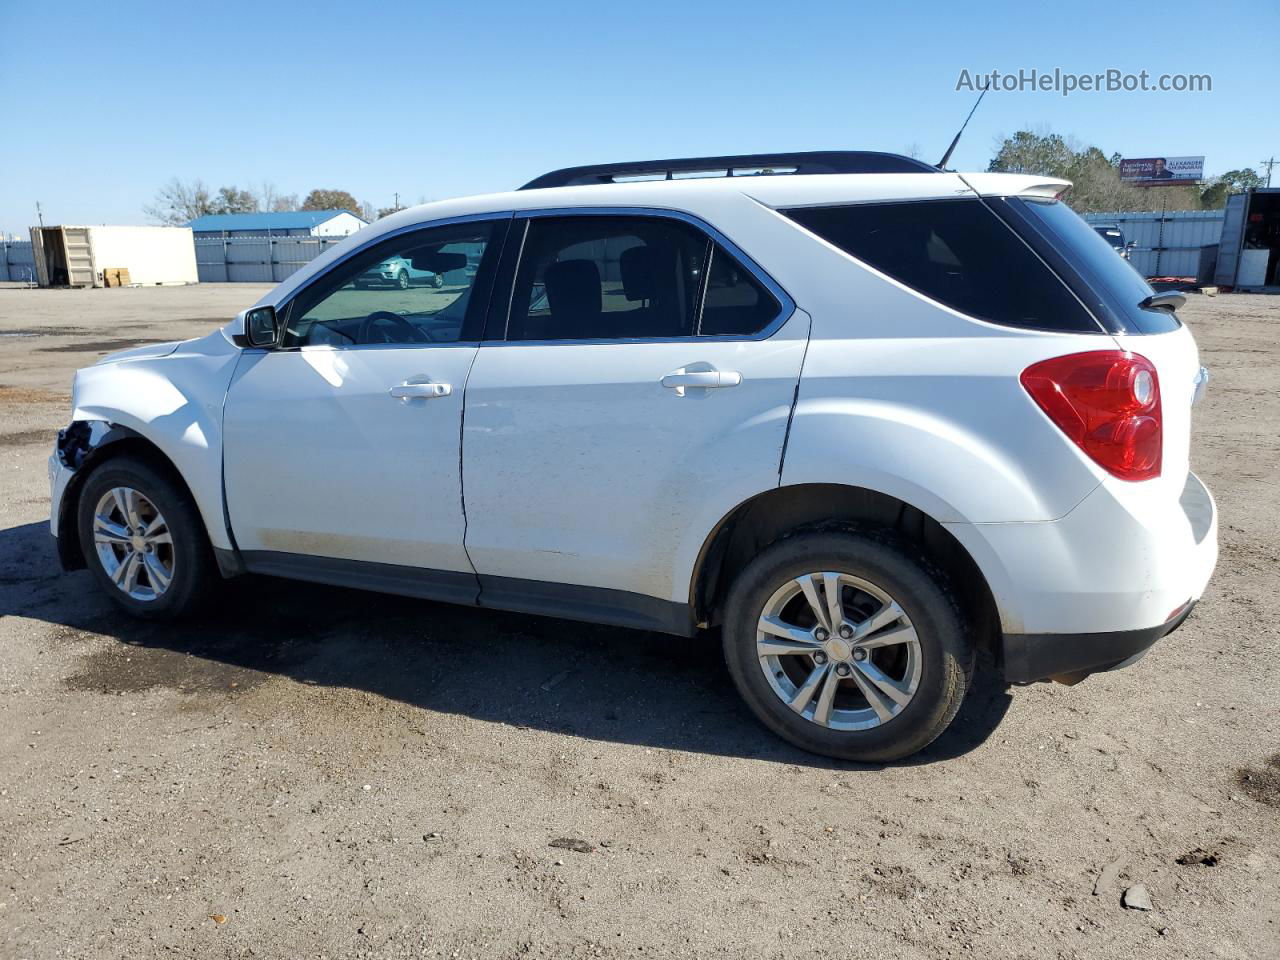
(849,645)
(143,539)
(402,280)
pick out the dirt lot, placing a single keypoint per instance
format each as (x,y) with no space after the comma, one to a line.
(320,773)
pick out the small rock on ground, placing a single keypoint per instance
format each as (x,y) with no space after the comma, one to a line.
(1136,898)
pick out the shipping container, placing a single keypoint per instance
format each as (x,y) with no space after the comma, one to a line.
(1249,254)
(67,256)
(17,265)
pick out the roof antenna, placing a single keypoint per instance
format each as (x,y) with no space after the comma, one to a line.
(947,156)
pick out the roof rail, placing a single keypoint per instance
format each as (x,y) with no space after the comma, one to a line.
(750,164)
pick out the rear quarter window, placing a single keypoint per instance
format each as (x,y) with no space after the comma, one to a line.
(956,252)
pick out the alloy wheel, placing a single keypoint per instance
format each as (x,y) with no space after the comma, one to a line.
(133,543)
(839,651)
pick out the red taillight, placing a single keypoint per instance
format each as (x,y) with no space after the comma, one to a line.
(1108,403)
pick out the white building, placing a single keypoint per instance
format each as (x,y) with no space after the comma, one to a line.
(292,223)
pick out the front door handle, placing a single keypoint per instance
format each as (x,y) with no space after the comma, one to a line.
(415,388)
(705,379)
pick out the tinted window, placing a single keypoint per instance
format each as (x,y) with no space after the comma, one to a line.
(1097,261)
(415,289)
(958,253)
(608,278)
(736,303)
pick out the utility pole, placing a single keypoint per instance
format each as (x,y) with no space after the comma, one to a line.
(1268,164)
(40,214)
(397,196)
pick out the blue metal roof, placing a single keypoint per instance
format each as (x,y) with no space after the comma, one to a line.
(289,220)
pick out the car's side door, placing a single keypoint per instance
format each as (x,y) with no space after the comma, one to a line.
(342,445)
(641,388)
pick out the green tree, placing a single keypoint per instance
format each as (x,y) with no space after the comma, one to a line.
(1215,194)
(1094,175)
(330,200)
(233,200)
(1026,152)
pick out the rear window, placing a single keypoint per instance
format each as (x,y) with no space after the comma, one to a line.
(958,253)
(1115,279)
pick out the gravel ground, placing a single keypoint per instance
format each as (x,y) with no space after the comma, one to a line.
(322,773)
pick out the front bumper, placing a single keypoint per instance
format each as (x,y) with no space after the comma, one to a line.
(59,477)
(65,547)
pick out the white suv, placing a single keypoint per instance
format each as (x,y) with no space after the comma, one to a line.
(866,417)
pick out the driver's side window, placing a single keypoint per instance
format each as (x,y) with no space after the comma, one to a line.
(412,289)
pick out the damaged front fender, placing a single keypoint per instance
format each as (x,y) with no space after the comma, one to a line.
(78,446)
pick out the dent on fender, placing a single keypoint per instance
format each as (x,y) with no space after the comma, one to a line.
(172,401)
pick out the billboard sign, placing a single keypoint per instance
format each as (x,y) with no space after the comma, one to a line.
(1161,171)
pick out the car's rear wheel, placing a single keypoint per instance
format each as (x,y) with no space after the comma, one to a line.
(437,281)
(849,645)
(143,539)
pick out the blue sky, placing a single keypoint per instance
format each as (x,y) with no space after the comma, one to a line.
(433,100)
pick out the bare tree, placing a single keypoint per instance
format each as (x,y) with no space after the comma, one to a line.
(271,199)
(177,203)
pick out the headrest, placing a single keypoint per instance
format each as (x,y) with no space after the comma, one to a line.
(638,266)
(573,288)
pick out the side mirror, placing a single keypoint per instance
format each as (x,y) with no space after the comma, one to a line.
(261,327)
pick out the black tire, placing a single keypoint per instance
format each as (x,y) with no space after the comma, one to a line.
(402,279)
(899,570)
(194,569)
(437,281)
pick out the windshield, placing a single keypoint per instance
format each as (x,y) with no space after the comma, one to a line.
(1095,259)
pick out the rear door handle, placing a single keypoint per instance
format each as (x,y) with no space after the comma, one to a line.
(705,379)
(420,388)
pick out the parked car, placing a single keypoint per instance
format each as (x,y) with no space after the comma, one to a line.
(865,418)
(397,271)
(1112,233)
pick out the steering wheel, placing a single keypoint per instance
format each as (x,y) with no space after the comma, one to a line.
(413,334)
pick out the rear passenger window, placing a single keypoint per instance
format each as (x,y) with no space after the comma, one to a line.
(736,303)
(618,278)
(956,252)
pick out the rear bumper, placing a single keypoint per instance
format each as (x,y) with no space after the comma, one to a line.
(1029,657)
(1098,586)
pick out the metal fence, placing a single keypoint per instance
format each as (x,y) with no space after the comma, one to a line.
(17,261)
(256,259)
(1169,243)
